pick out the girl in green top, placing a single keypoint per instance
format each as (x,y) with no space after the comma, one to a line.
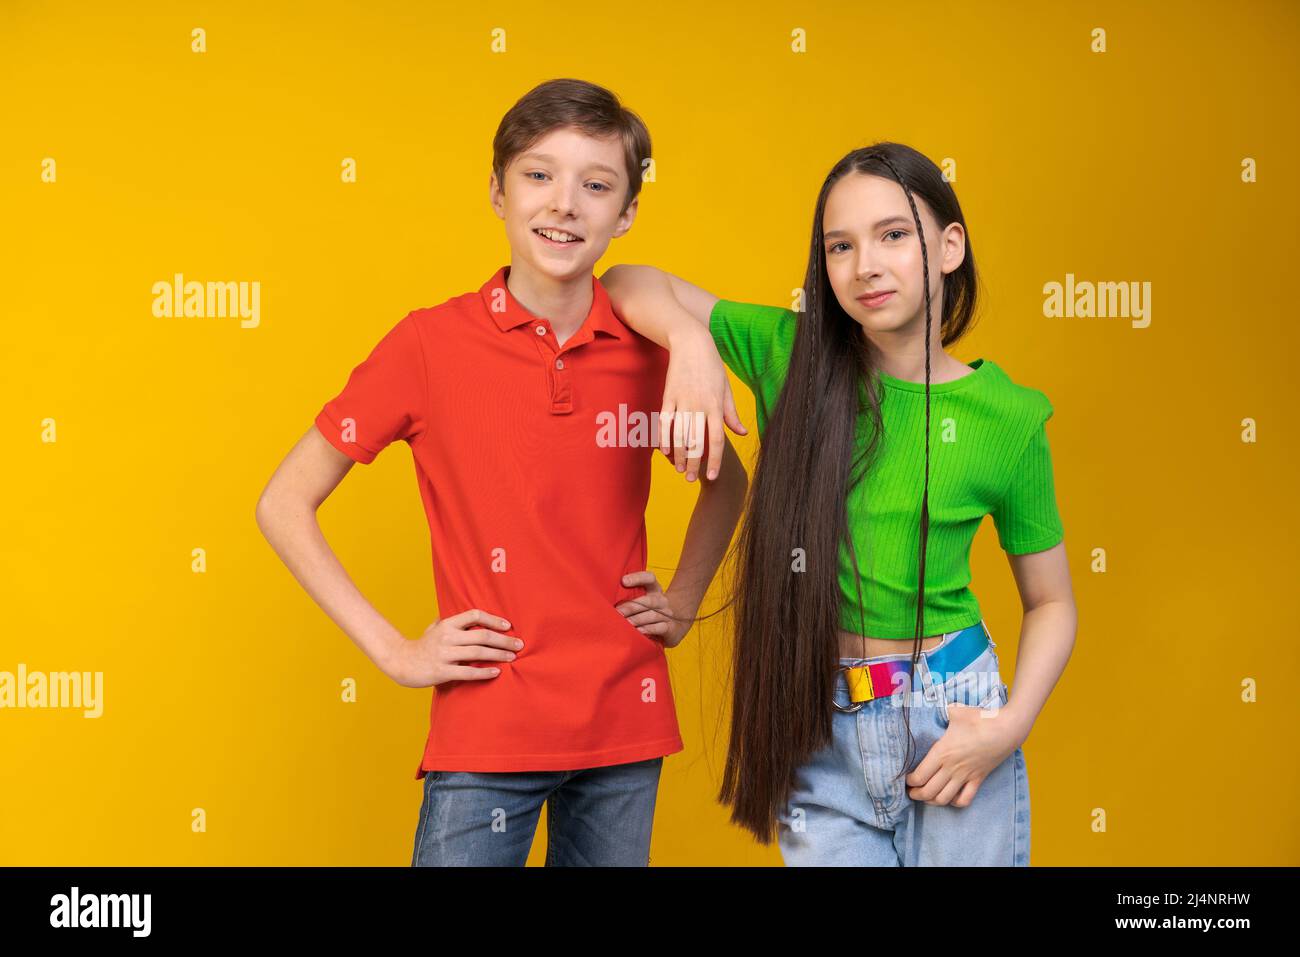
(868,490)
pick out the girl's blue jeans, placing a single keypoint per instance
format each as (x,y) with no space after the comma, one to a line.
(848,807)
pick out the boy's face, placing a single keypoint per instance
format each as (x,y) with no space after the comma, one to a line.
(571,183)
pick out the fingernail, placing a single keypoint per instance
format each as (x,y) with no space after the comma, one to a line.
(518,643)
(496,671)
(504,623)
(713,473)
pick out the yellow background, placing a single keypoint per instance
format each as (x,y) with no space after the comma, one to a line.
(222,689)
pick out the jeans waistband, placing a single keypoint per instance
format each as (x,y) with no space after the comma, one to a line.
(957,650)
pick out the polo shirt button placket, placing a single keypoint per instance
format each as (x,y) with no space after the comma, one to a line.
(562,392)
(558,376)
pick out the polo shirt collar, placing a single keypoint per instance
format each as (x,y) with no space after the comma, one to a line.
(601,318)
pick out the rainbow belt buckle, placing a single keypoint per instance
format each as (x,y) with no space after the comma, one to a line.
(859,681)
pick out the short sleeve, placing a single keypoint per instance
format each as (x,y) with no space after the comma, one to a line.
(754,341)
(1027,519)
(384,400)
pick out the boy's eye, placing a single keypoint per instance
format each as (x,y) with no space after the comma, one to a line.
(535,172)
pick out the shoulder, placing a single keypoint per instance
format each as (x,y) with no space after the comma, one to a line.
(1016,400)
(443,326)
(464,306)
(772,325)
(731,309)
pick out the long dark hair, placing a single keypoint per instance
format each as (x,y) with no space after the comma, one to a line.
(787,621)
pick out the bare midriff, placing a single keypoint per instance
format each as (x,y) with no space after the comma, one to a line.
(851,645)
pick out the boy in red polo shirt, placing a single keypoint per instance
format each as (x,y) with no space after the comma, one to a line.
(528,406)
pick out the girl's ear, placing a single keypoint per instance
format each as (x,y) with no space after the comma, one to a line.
(953,246)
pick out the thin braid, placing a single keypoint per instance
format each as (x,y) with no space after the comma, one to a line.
(925,494)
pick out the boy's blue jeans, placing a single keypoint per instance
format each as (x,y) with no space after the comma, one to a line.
(595,817)
(848,809)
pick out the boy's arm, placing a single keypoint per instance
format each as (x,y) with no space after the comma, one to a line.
(286,515)
(713,521)
(674,314)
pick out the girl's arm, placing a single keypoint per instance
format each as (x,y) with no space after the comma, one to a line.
(1046,634)
(658,305)
(697,394)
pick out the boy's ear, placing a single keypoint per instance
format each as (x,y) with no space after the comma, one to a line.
(496,196)
(625,220)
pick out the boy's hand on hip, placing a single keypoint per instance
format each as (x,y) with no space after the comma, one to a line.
(652,613)
(444,652)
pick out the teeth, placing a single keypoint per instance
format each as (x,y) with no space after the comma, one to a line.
(558,236)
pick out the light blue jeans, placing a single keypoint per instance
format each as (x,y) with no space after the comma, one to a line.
(594,817)
(848,808)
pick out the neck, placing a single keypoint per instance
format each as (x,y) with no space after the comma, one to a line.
(901,353)
(565,302)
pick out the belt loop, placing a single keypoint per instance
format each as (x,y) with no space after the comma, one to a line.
(927,681)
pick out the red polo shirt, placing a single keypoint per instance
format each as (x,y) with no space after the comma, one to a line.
(534,514)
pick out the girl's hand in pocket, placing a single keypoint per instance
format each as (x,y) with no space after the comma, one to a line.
(977,741)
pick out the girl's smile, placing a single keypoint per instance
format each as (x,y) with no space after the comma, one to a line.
(871,302)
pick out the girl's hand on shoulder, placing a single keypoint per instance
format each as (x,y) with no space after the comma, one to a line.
(697,403)
(977,741)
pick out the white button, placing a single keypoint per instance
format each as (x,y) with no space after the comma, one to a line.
(541,330)
(559,363)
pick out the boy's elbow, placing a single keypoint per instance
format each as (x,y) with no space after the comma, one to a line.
(270,508)
(263,510)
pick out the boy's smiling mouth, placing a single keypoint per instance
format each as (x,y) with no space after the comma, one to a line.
(557,237)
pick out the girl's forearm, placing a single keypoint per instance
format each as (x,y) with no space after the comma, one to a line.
(1046,641)
(643,298)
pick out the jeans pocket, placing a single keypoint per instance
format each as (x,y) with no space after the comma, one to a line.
(977,685)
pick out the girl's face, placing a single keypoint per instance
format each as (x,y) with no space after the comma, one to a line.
(873,258)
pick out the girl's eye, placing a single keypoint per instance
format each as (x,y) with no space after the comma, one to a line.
(833,245)
(893,231)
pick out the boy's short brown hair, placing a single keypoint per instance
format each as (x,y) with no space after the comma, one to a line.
(571,103)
